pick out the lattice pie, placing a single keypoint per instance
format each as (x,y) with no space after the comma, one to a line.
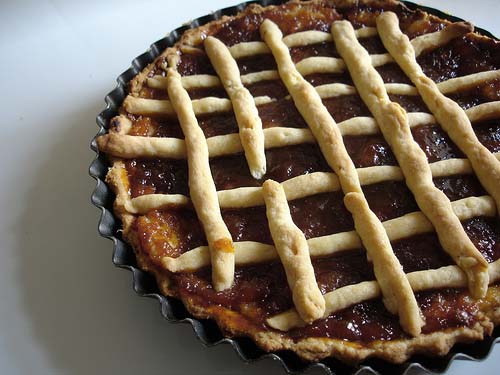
(321,176)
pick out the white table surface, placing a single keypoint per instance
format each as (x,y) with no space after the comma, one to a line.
(64,308)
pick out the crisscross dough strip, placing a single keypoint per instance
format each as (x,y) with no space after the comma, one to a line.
(294,188)
(400,89)
(465,82)
(245,110)
(322,64)
(273,137)
(131,146)
(299,39)
(446,87)
(293,251)
(309,37)
(397,294)
(299,187)
(393,122)
(319,64)
(245,49)
(331,90)
(156,107)
(439,38)
(148,202)
(336,89)
(207,80)
(202,187)
(264,75)
(411,224)
(188,82)
(126,146)
(386,265)
(306,38)
(448,113)
(341,298)
(364,32)
(483,112)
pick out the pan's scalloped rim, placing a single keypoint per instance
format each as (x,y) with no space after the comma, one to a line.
(206,331)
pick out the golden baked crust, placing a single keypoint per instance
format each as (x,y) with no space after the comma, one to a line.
(231,321)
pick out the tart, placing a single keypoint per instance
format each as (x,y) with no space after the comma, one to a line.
(319,176)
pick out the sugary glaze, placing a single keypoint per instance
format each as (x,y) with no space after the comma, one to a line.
(260,291)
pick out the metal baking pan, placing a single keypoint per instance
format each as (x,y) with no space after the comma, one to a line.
(207,331)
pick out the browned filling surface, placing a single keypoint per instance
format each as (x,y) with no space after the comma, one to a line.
(261,290)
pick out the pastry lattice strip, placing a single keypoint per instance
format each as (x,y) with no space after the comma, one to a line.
(297,187)
(411,224)
(202,187)
(299,39)
(245,110)
(293,250)
(326,91)
(127,146)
